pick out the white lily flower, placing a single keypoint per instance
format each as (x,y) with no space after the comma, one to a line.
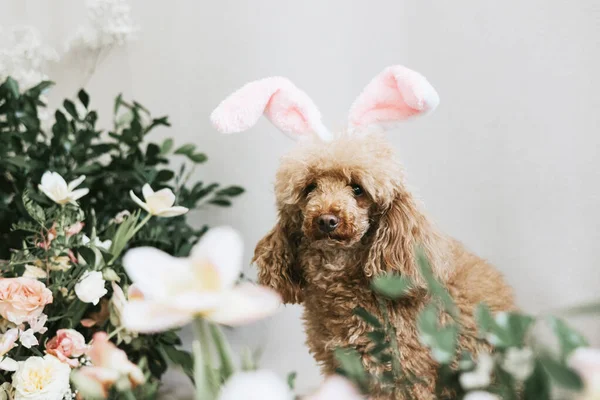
(176,290)
(159,203)
(90,288)
(56,188)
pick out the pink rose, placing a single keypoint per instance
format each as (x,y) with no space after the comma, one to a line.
(22,299)
(67,343)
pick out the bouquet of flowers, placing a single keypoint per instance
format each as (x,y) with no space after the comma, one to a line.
(73,199)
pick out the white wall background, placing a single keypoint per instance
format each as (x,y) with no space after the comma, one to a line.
(508,164)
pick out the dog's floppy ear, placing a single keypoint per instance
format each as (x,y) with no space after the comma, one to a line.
(394,95)
(400,229)
(276,258)
(286,106)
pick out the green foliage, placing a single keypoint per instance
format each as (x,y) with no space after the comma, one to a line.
(114,163)
(517,372)
(33,229)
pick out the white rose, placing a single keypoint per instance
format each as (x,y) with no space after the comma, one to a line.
(41,378)
(90,287)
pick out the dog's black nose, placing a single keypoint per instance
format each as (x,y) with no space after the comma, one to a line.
(328,222)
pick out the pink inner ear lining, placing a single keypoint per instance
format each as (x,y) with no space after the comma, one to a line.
(286,106)
(394,95)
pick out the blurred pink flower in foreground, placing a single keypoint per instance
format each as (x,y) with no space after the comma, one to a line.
(177,290)
(110,366)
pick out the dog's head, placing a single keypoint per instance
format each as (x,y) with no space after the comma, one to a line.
(332,192)
(332,189)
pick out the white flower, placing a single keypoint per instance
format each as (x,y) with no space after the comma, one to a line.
(336,387)
(41,378)
(256,385)
(480,377)
(586,361)
(518,362)
(158,203)
(24,57)
(481,395)
(110,24)
(27,339)
(56,188)
(90,287)
(178,289)
(97,242)
(7,342)
(31,271)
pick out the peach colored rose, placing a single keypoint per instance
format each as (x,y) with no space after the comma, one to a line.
(67,343)
(22,299)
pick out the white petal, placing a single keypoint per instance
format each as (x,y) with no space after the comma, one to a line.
(79,193)
(48,193)
(150,316)
(50,179)
(147,191)
(154,271)
(160,200)
(195,302)
(173,211)
(8,364)
(256,385)
(244,304)
(73,184)
(138,201)
(223,248)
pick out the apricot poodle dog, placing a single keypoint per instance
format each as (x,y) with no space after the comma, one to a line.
(345,216)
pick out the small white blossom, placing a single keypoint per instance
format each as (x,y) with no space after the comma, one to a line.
(90,287)
(159,203)
(56,188)
(31,271)
(480,377)
(109,25)
(97,242)
(24,57)
(27,339)
(518,362)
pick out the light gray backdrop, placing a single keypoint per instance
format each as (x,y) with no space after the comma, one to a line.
(508,163)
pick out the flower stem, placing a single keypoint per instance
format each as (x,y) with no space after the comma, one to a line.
(227,367)
(202,362)
(141,225)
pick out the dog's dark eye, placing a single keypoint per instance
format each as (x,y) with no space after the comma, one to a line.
(356,189)
(310,188)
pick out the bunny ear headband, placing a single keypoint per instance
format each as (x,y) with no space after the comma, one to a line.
(394,95)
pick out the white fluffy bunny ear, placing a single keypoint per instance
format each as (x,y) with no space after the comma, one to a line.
(286,106)
(394,95)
